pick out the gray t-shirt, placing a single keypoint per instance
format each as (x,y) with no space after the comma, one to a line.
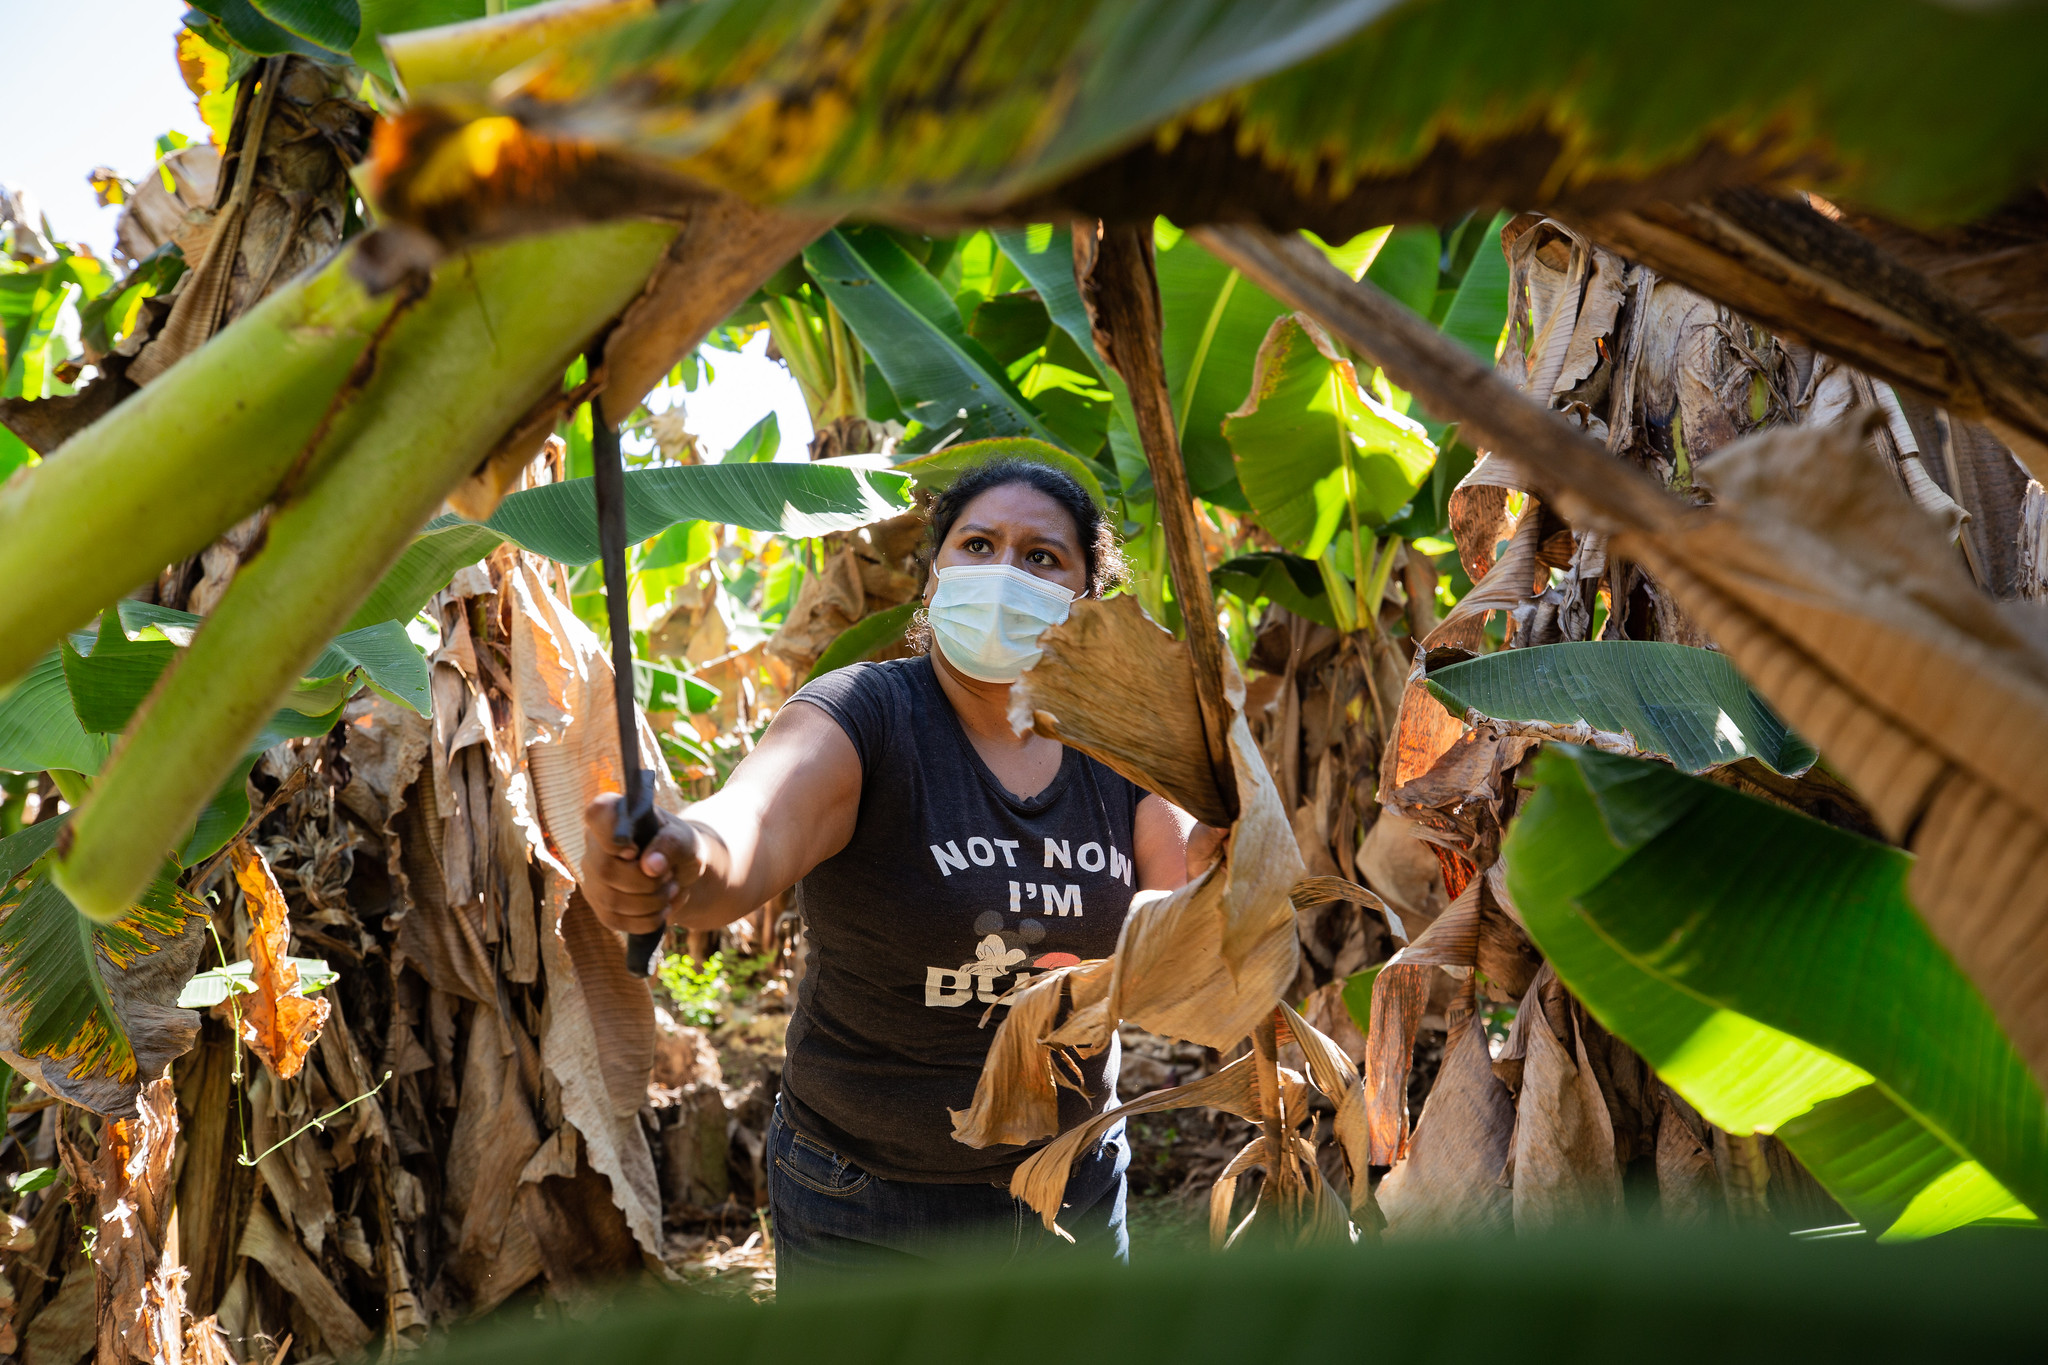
(950,893)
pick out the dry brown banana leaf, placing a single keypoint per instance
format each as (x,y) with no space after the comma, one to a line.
(1206,963)
(1331,1072)
(1041,1181)
(1114,685)
(1450,1182)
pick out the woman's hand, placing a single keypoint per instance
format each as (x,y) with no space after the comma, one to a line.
(636,893)
(788,806)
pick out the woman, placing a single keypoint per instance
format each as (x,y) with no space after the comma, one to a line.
(939,859)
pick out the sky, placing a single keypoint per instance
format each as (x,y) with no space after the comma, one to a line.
(95,82)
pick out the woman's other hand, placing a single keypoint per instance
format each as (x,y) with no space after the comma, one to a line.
(635,893)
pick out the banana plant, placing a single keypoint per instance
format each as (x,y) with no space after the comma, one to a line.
(65,716)
(1326,465)
(941,376)
(1774,972)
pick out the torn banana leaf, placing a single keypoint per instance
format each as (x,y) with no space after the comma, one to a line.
(1319,108)
(90,1011)
(1685,704)
(1773,971)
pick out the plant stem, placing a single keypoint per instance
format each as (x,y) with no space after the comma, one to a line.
(310,1124)
(73,787)
(162,475)
(495,331)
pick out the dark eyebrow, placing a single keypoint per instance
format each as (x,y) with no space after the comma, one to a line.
(975,527)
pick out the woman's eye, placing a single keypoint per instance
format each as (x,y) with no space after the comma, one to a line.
(977,545)
(1044,557)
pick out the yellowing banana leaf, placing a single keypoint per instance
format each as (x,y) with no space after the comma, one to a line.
(942,377)
(1773,971)
(278,1021)
(938,105)
(1314,450)
(1686,704)
(89,1011)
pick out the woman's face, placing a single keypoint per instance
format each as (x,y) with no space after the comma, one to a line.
(1017,525)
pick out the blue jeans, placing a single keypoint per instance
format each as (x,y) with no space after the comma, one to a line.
(831,1219)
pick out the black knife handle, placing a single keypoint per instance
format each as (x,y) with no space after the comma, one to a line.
(642,950)
(638,823)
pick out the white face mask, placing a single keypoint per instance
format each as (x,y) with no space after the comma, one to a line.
(987,618)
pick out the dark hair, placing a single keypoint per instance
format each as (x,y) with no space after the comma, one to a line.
(1100,555)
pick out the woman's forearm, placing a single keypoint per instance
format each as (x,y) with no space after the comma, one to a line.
(733,879)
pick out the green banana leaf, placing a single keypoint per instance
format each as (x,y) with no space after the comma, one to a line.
(1214,322)
(939,469)
(973,105)
(333,24)
(55,1008)
(757,444)
(445,545)
(1295,583)
(1407,265)
(1010,326)
(1773,971)
(1044,255)
(1479,310)
(31,303)
(1688,705)
(559,520)
(1590,1301)
(942,377)
(242,24)
(1313,448)
(864,637)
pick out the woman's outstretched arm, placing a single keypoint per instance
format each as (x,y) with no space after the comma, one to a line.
(788,806)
